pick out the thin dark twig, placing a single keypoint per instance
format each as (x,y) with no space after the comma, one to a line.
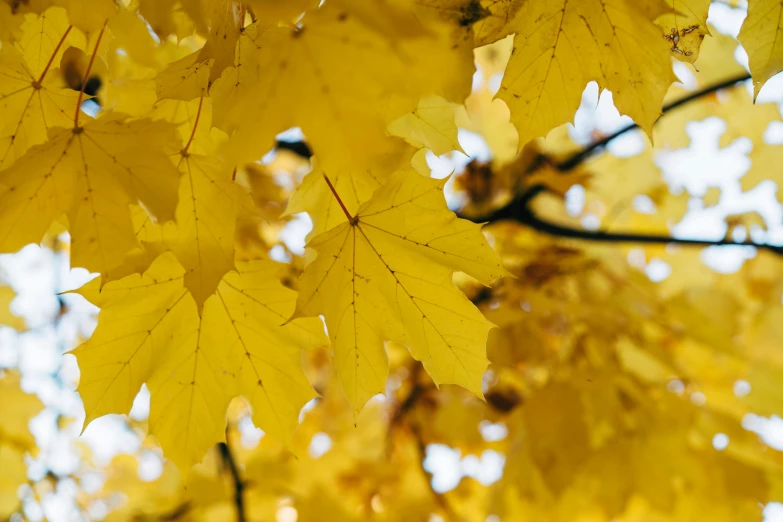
(519,210)
(578,158)
(169,516)
(239,485)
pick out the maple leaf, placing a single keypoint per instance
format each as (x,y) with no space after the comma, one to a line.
(179,17)
(385,274)
(225,20)
(91,173)
(150,331)
(310,87)
(561,46)
(184,79)
(354,186)
(430,125)
(685,27)
(203,236)
(760,36)
(479,22)
(33,95)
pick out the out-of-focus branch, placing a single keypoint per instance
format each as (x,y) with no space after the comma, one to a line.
(168,516)
(578,158)
(239,485)
(519,210)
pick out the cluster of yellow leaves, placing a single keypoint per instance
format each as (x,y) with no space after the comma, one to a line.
(164,196)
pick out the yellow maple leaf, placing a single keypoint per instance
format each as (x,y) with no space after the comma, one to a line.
(430,125)
(685,27)
(10,23)
(33,97)
(225,21)
(385,274)
(326,67)
(91,173)
(272,11)
(560,46)
(760,35)
(149,331)
(167,17)
(354,186)
(184,79)
(88,16)
(202,237)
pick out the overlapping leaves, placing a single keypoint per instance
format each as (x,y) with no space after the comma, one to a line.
(366,84)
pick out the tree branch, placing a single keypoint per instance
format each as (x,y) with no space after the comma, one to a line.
(239,485)
(519,209)
(169,516)
(521,212)
(578,158)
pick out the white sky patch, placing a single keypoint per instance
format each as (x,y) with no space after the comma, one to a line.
(447,467)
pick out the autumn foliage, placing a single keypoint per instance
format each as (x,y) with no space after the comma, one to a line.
(525,323)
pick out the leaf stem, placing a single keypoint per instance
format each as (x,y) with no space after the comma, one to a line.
(337,197)
(51,58)
(86,77)
(195,126)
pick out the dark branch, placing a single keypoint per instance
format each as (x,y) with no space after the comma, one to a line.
(519,209)
(297,147)
(578,158)
(169,516)
(239,485)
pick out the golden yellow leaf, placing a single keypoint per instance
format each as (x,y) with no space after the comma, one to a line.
(430,125)
(354,186)
(485,115)
(14,474)
(10,23)
(88,16)
(760,36)
(7,318)
(685,27)
(133,37)
(170,16)
(150,332)
(270,12)
(480,22)
(19,408)
(33,97)
(91,173)
(561,46)
(184,79)
(386,275)
(335,62)
(225,20)
(202,237)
